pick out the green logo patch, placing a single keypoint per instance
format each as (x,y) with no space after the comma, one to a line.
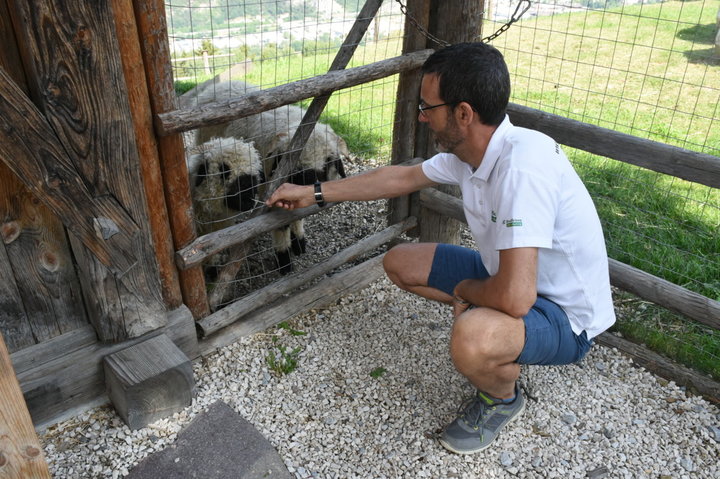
(512,222)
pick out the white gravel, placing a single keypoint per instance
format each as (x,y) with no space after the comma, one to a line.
(331,419)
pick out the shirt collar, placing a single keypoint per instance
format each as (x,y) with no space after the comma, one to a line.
(494,149)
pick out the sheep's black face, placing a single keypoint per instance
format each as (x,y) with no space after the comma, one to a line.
(242,192)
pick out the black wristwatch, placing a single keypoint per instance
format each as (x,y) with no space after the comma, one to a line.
(318,195)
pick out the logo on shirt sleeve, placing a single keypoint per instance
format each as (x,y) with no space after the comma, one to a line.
(512,222)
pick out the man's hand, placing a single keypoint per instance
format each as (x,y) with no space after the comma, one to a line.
(459,306)
(290,197)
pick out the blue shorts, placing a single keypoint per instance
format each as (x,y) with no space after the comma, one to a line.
(549,339)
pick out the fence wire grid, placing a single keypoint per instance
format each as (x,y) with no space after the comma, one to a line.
(647,68)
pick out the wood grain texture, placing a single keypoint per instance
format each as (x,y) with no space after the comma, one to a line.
(147,145)
(406,112)
(148,381)
(77,80)
(151,23)
(21,454)
(71,379)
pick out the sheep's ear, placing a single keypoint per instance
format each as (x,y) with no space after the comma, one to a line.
(225,171)
(308,176)
(336,163)
(200,174)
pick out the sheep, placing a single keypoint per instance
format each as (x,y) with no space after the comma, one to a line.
(225,175)
(271,131)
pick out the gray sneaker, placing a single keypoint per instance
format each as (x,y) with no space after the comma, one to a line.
(478,423)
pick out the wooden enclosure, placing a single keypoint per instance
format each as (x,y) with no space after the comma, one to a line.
(99,250)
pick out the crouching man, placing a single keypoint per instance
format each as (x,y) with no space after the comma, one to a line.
(536,290)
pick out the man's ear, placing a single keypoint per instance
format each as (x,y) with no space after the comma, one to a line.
(464,114)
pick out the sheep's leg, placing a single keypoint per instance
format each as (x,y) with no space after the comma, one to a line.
(281,244)
(298,242)
(226,274)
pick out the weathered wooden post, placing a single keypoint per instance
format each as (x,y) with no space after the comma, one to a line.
(451,22)
(20,451)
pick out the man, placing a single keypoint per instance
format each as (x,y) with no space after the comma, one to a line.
(538,290)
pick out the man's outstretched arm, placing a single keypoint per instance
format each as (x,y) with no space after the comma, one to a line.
(383,182)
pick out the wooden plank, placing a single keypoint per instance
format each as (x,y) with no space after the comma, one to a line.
(74,380)
(13,321)
(52,349)
(671,160)
(42,266)
(151,175)
(151,24)
(320,295)
(663,366)
(256,102)
(21,454)
(43,166)
(149,381)
(38,260)
(207,245)
(671,296)
(291,283)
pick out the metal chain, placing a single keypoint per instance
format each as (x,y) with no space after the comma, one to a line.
(513,18)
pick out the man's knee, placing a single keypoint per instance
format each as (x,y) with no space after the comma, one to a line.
(408,264)
(479,339)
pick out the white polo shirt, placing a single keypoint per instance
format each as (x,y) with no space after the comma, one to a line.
(527,194)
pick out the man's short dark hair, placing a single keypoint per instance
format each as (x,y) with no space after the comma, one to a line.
(475,73)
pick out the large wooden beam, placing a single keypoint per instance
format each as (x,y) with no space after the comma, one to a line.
(671,160)
(151,22)
(131,56)
(256,102)
(20,451)
(406,123)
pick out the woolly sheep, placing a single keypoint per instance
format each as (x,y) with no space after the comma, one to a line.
(271,131)
(225,175)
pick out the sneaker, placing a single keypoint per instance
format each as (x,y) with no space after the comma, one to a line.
(479,420)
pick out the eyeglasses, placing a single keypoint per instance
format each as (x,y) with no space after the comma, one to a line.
(423,109)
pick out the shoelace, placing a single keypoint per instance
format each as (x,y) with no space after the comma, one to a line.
(473,410)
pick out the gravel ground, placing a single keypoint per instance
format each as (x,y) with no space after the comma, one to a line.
(374,383)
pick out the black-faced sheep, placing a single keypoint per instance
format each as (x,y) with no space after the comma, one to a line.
(225,175)
(271,132)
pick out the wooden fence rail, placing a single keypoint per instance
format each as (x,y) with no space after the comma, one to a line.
(214,113)
(671,160)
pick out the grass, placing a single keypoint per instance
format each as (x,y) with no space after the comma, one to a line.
(645,70)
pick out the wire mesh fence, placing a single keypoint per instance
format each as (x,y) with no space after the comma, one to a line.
(222,49)
(647,68)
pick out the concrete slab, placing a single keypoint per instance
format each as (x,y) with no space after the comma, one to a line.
(217,444)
